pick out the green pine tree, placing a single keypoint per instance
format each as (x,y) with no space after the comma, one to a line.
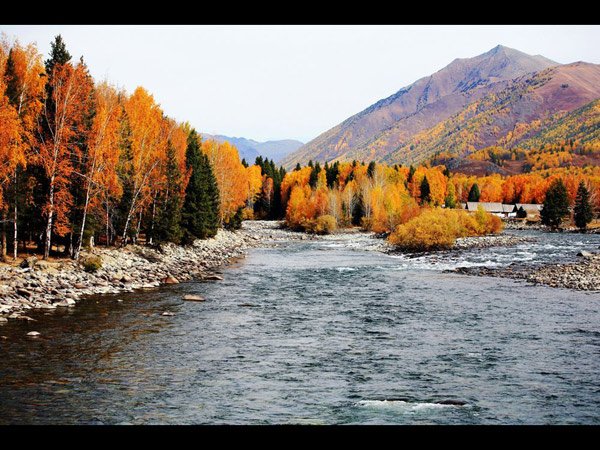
(371,169)
(200,212)
(314,175)
(167,227)
(556,204)
(358,211)
(583,212)
(411,173)
(425,191)
(474,193)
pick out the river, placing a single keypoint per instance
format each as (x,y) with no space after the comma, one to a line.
(319,332)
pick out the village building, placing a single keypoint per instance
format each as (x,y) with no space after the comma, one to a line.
(496,208)
(528,210)
(499,209)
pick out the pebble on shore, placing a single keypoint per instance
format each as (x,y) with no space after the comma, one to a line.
(581,275)
(39,284)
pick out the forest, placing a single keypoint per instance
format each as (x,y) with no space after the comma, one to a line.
(84,163)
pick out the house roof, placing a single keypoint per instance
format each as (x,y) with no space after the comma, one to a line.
(529,207)
(495,207)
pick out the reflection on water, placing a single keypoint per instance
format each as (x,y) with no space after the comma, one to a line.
(318,332)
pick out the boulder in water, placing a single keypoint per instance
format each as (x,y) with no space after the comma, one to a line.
(171,280)
(212,277)
(451,402)
(193,298)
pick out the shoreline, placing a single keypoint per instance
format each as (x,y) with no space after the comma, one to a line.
(47,285)
(581,275)
(54,284)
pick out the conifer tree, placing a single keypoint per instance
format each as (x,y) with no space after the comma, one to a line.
(200,213)
(583,208)
(556,204)
(411,173)
(425,191)
(167,228)
(371,169)
(358,211)
(314,175)
(474,193)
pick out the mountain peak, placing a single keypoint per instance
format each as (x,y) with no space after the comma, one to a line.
(517,57)
(498,48)
(384,126)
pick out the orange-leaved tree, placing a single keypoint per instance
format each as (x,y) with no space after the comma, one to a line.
(63,108)
(231,177)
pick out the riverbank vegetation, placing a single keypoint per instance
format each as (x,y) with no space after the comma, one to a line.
(415,205)
(84,162)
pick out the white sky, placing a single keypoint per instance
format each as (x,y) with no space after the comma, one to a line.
(269,82)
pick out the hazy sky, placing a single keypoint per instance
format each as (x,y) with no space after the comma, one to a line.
(288,82)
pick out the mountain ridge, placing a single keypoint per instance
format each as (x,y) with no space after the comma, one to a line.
(250,148)
(444,93)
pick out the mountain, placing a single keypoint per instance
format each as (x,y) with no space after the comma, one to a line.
(250,149)
(385,126)
(527,106)
(565,139)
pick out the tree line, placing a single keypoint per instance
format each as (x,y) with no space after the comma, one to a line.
(380,198)
(84,161)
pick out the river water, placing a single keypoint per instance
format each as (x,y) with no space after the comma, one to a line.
(319,332)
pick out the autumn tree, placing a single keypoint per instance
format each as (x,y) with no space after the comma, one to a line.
(10,157)
(147,144)
(24,81)
(231,177)
(67,93)
(450,200)
(99,161)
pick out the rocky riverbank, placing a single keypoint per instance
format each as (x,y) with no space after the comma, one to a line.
(502,239)
(61,283)
(582,275)
(523,225)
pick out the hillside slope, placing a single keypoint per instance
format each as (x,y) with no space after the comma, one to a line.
(525,107)
(387,124)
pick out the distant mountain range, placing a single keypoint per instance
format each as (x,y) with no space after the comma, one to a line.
(503,97)
(250,149)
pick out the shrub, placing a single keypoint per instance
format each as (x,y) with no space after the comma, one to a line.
(92,264)
(488,223)
(321,225)
(248,214)
(234,222)
(437,229)
(434,229)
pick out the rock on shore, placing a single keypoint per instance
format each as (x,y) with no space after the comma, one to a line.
(583,274)
(48,285)
(503,239)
